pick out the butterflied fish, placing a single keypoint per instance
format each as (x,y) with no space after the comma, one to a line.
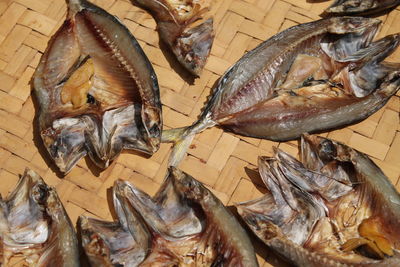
(361,7)
(35,225)
(97,91)
(308,78)
(334,208)
(181,26)
(184,224)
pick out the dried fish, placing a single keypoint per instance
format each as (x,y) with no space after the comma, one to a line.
(335,207)
(97,91)
(34,224)
(361,7)
(179,27)
(184,224)
(308,78)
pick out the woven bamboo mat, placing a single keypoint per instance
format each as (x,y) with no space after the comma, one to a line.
(225,162)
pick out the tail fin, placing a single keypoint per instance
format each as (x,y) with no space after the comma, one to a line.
(183,137)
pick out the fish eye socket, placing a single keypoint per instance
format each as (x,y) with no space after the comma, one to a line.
(90,99)
(40,193)
(327,150)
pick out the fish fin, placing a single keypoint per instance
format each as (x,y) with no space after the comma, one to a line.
(182,138)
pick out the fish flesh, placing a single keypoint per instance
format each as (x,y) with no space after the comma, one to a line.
(184,224)
(360,7)
(35,225)
(334,207)
(182,26)
(308,78)
(97,91)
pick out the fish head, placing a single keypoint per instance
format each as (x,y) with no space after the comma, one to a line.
(171,228)
(343,197)
(25,212)
(124,241)
(193,46)
(187,186)
(368,71)
(347,35)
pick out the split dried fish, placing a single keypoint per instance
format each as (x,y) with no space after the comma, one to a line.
(179,27)
(335,207)
(308,78)
(361,7)
(97,91)
(35,225)
(184,224)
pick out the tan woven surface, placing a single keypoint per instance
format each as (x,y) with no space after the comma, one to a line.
(223,161)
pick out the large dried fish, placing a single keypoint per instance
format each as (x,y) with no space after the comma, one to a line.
(311,77)
(360,7)
(334,208)
(34,224)
(184,224)
(97,91)
(179,27)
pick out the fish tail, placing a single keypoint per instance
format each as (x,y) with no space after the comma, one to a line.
(182,138)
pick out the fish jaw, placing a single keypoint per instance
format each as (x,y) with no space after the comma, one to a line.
(122,109)
(179,225)
(360,7)
(36,225)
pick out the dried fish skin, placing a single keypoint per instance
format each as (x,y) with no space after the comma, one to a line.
(360,7)
(179,27)
(184,224)
(34,224)
(366,208)
(97,91)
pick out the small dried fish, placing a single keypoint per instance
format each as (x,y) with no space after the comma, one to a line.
(178,26)
(308,78)
(360,7)
(34,224)
(97,91)
(184,224)
(335,207)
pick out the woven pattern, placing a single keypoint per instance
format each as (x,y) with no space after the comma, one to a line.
(225,162)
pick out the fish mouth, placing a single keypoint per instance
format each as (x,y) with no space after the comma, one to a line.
(334,203)
(95,97)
